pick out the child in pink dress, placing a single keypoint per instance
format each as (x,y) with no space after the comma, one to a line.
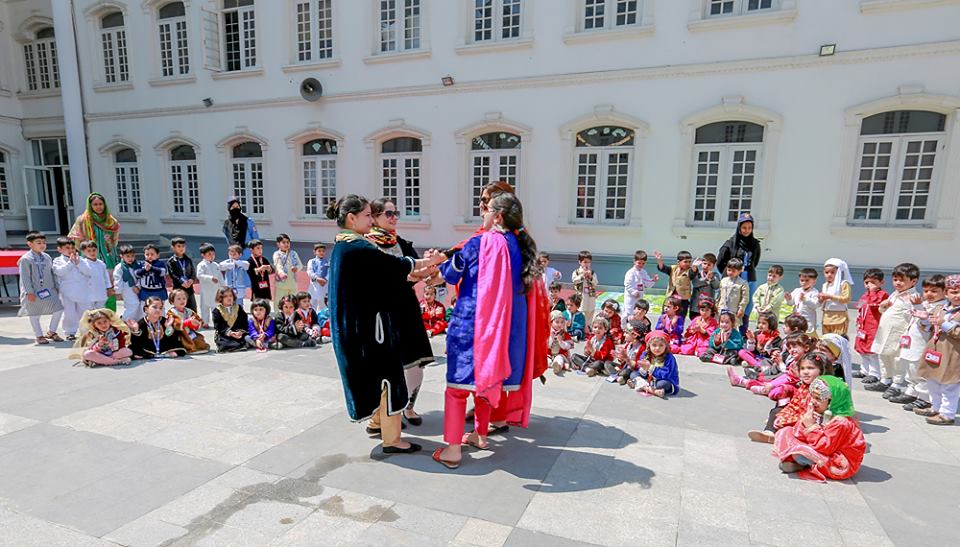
(696,340)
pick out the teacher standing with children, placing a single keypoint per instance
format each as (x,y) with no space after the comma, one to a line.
(746,247)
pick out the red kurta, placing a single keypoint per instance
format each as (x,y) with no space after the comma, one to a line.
(433,317)
(835,448)
(869,319)
(795,408)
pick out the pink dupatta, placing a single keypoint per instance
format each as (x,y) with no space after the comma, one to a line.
(491,335)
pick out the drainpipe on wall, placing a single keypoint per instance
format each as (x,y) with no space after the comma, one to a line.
(71,93)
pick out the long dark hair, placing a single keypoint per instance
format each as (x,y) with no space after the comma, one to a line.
(349,204)
(377,206)
(510,208)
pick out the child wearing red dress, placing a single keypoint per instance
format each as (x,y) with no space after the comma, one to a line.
(611,311)
(812,365)
(433,313)
(867,322)
(696,340)
(597,356)
(560,343)
(826,442)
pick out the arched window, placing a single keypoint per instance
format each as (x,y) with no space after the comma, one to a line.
(174,50)
(184,184)
(4,190)
(400,161)
(727,158)
(319,168)
(314,36)
(113,41)
(898,156)
(603,158)
(40,61)
(127,177)
(248,176)
(494,156)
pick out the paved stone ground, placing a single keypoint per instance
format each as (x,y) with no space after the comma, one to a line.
(252,449)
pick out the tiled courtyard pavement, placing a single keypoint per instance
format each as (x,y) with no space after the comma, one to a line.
(255,449)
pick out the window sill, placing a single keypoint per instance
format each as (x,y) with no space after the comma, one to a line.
(261,221)
(312,222)
(107,88)
(312,65)
(10,215)
(682,229)
(173,80)
(183,220)
(6,93)
(742,21)
(619,33)
(884,6)
(130,220)
(39,94)
(886,232)
(494,45)
(248,73)
(567,227)
(397,56)
(422,223)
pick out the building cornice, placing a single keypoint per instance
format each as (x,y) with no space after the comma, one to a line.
(798,62)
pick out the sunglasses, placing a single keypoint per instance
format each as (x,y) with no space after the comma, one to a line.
(391,214)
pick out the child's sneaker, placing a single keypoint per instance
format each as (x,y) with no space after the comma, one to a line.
(631,384)
(591,372)
(760,390)
(735,379)
(622,380)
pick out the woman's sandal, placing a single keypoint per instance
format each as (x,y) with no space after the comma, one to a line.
(41,341)
(415,421)
(477,445)
(54,337)
(446,463)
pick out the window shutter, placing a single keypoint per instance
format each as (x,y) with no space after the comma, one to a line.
(211,40)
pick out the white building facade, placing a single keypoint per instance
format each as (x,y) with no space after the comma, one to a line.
(624,124)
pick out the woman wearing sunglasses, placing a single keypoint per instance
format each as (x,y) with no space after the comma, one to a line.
(414,348)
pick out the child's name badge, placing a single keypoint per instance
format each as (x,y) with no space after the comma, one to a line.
(933,358)
(43,293)
(718,358)
(861,335)
(904,341)
(263,284)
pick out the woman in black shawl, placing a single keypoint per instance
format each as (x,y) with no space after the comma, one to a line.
(365,319)
(238,229)
(746,247)
(414,344)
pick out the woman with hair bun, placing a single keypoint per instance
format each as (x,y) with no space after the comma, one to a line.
(363,323)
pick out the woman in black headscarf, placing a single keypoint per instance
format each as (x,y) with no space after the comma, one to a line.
(746,247)
(238,229)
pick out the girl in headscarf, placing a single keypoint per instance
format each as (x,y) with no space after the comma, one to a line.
(746,247)
(97,224)
(834,297)
(827,441)
(839,347)
(239,229)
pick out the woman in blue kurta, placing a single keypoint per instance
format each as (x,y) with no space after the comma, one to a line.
(363,321)
(487,336)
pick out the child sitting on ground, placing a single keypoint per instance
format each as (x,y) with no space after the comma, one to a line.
(152,337)
(763,343)
(941,360)
(433,313)
(779,386)
(627,356)
(805,299)
(261,330)
(597,354)
(837,347)
(640,311)
(229,322)
(811,365)
(657,368)
(696,340)
(671,322)
(734,292)
(577,324)
(291,330)
(187,322)
(868,319)
(636,281)
(103,339)
(560,343)
(725,342)
(827,441)
(610,310)
(311,321)
(556,303)
(836,293)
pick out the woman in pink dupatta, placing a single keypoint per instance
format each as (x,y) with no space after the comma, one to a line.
(487,340)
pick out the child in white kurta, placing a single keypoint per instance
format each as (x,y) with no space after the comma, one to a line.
(72,275)
(635,283)
(906,375)
(211,279)
(99,283)
(894,321)
(805,299)
(125,283)
(318,268)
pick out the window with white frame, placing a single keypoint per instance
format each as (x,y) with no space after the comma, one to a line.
(896,168)
(603,156)
(247,167)
(720,8)
(319,168)
(400,160)
(239,35)
(314,32)
(127,177)
(4,189)
(400,25)
(496,19)
(174,50)
(610,14)
(184,184)
(494,157)
(113,44)
(727,156)
(40,61)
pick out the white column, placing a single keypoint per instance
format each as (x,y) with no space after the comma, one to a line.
(72,102)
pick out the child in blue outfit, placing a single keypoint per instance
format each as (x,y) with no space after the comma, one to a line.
(318,268)
(152,275)
(658,374)
(577,325)
(235,273)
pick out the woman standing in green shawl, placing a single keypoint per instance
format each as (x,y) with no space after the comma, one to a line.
(97,224)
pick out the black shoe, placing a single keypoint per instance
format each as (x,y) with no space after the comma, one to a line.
(498,430)
(903,398)
(919,404)
(858,374)
(376,430)
(891,392)
(870,379)
(414,447)
(876,386)
(415,421)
